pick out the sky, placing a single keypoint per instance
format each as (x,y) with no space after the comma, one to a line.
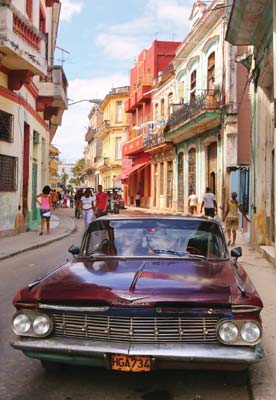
(103,39)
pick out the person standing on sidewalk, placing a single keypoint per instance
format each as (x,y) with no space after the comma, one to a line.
(192,202)
(87,204)
(209,203)
(101,202)
(231,218)
(45,208)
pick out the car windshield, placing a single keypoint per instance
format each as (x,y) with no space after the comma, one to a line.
(154,237)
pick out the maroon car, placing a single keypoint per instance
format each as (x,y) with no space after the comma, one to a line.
(144,293)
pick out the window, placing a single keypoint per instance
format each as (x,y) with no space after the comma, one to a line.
(118,148)
(193,86)
(180,91)
(211,72)
(8,177)
(156,111)
(162,108)
(6,126)
(119,111)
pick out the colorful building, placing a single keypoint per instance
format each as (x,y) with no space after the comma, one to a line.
(32,100)
(112,132)
(137,177)
(53,166)
(252,27)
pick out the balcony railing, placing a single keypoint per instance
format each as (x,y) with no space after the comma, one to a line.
(21,43)
(103,162)
(184,112)
(90,134)
(104,125)
(153,139)
(54,84)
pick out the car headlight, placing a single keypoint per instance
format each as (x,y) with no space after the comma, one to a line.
(21,324)
(250,332)
(31,323)
(228,332)
(41,325)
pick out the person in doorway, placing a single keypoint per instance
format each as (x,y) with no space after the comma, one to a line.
(101,202)
(137,199)
(231,218)
(45,202)
(88,207)
(192,202)
(209,203)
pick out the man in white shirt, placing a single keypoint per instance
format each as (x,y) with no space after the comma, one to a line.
(209,203)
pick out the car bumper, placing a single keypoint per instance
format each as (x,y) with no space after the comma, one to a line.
(162,355)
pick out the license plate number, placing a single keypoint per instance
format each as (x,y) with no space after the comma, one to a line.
(130,363)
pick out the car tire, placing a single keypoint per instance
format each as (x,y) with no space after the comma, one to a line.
(51,366)
(237,378)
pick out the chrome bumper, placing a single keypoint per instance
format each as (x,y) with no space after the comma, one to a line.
(191,353)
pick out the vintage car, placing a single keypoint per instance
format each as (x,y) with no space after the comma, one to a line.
(144,293)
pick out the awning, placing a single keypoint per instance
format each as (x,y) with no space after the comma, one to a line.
(130,170)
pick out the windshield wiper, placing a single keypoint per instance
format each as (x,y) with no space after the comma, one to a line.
(178,253)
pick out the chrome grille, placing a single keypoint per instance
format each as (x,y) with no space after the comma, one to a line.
(136,329)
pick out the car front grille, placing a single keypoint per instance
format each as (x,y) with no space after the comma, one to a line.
(136,329)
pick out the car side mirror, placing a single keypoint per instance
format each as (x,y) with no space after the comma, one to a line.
(236,252)
(74,249)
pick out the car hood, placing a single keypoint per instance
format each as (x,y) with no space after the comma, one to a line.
(136,282)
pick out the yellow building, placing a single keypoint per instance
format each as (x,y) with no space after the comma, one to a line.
(113,132)
(33,97)
(53,166)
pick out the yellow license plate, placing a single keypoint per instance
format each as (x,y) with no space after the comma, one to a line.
(130,363)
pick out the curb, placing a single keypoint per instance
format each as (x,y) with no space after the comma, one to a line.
(41,244)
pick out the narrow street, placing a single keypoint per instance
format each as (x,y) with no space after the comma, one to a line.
(83,383)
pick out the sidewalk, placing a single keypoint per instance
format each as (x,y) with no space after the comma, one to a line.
(62,225)
(259,269)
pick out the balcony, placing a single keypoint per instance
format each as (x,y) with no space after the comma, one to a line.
(104,128)
(155,141)
(54,85)
(90,135)
(103,163)
(22,45)
(143,94)
(186,120)
(133,146)
(133,101)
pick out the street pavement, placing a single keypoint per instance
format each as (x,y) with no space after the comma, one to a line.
(260,270)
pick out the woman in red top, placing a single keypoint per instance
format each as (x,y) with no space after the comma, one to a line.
(101,202)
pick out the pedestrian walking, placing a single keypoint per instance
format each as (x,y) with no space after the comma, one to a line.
(45,202)
(71,197)
(192,202)
(231,218)
(54,199)
(101,202)
(65,197)
(77,203)
(87,204)
(209,203)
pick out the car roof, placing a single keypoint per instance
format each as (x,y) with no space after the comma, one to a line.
(140,216)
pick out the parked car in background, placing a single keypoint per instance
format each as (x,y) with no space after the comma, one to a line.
(144,293)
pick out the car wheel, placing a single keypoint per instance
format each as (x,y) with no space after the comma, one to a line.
(51,366)
(237,378)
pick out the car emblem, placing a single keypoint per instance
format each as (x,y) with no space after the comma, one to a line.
(132,299)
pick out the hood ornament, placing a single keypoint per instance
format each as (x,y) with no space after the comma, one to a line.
(132,299)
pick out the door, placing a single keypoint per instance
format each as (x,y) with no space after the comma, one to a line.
(34,191)
(212,166)
(180,187)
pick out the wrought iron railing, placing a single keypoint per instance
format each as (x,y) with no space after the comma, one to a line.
(153,139)
(184,112)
